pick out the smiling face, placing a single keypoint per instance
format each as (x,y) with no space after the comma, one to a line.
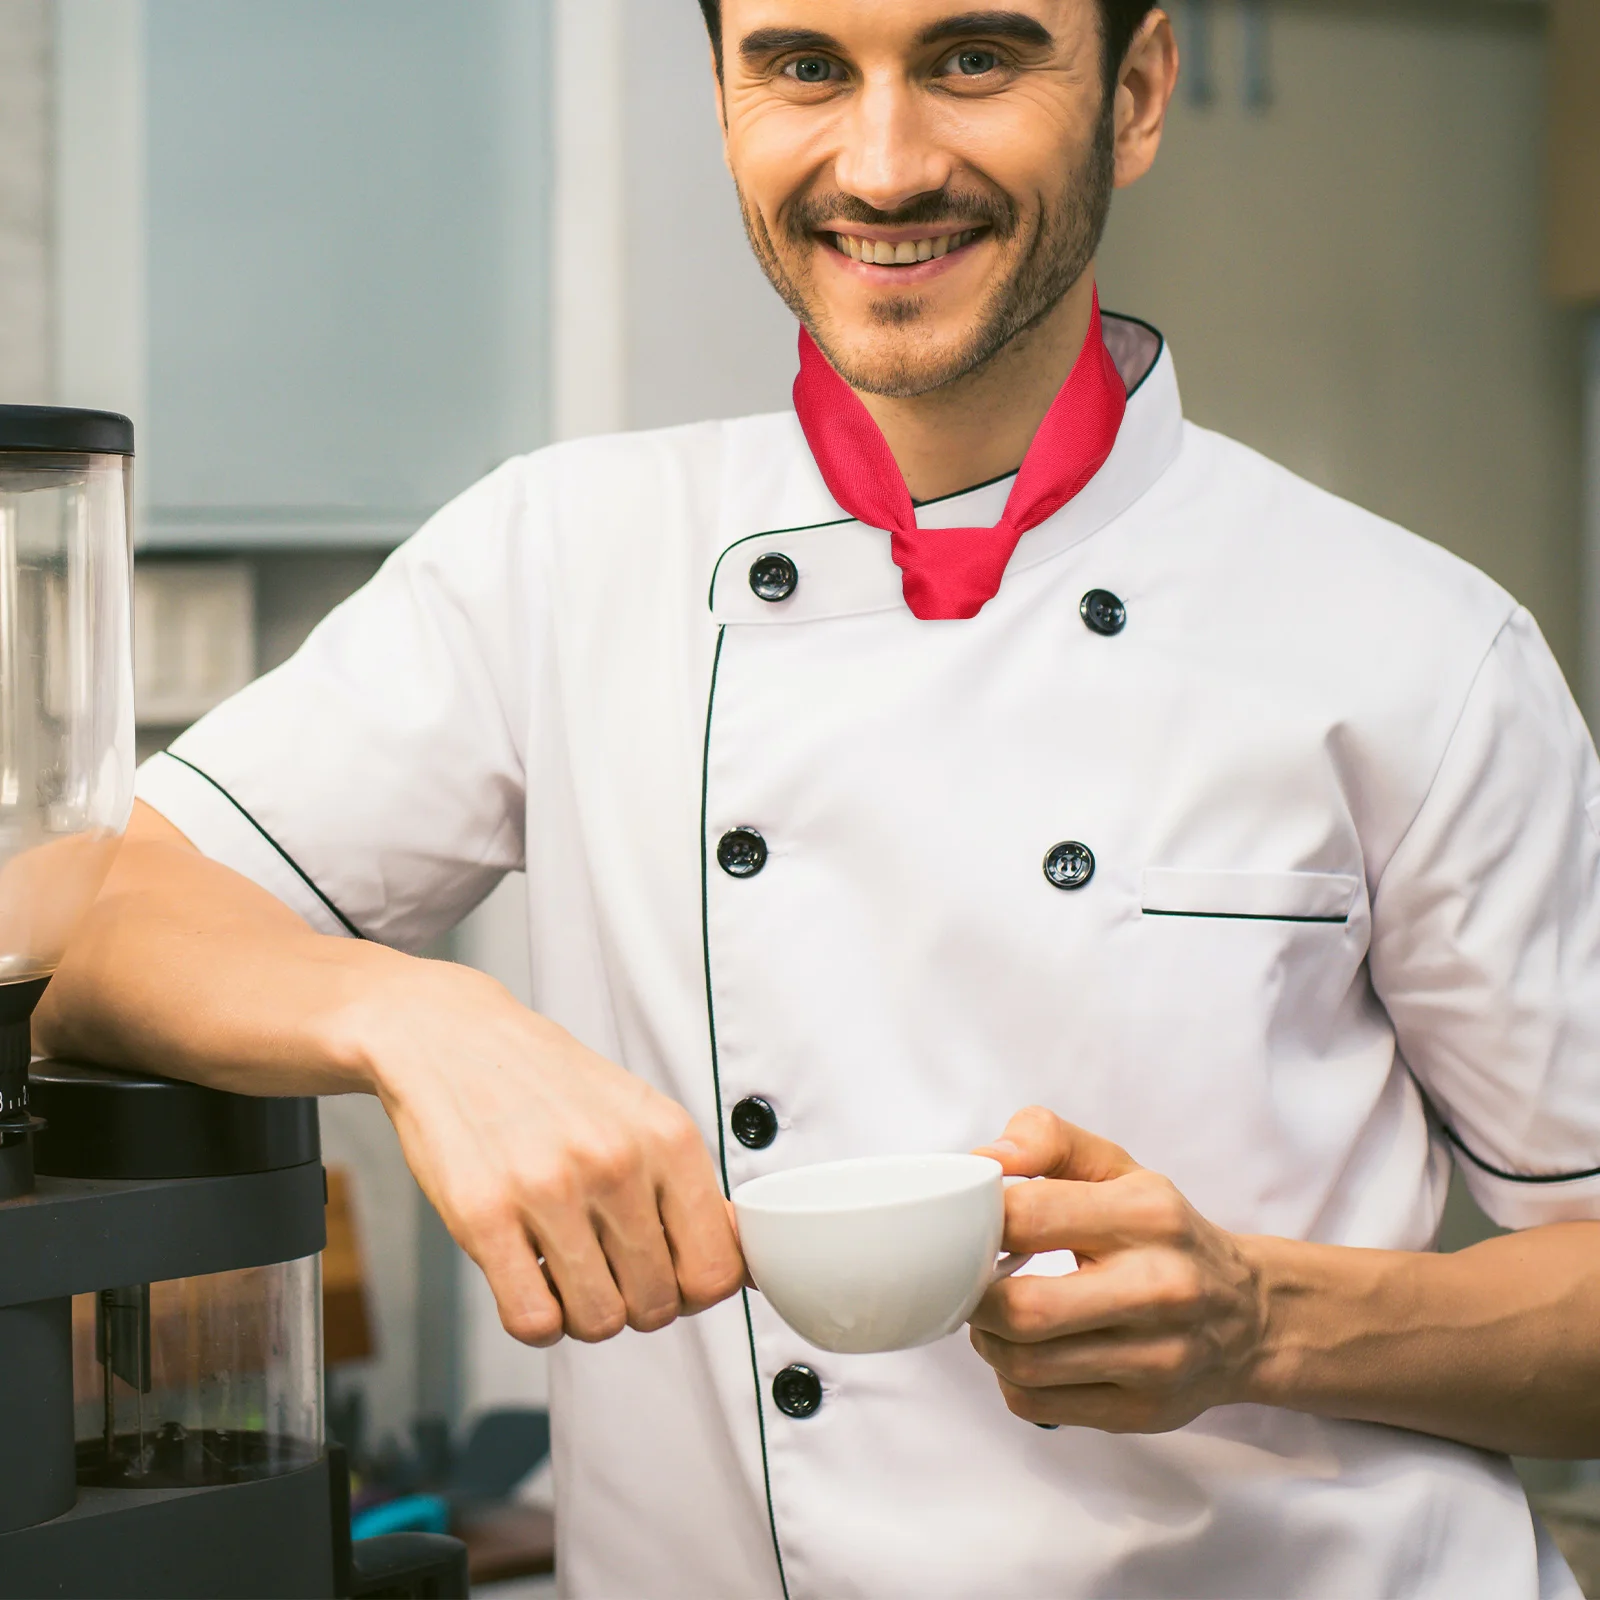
(921,186)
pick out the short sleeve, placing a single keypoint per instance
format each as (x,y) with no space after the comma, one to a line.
(1486,940)
(375,781)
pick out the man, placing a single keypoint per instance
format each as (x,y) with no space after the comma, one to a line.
(870,789)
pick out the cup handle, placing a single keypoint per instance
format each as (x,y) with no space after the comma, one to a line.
(1018,1259)
(1006,1265)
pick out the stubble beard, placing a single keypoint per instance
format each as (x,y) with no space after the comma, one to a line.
(1064,242)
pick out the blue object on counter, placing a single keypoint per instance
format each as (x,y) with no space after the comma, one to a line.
(411,1513)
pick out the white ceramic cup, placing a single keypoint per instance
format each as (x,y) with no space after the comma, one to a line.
(879,1253)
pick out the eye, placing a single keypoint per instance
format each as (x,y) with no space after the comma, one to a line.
(972,62)
(810,69)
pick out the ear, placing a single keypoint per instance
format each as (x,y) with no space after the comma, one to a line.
(1144,90)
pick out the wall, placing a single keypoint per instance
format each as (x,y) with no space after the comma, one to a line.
(707,337)
(1353,281)
(26,318)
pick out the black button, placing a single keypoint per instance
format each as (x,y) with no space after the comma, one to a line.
(798,1392)
(741,852)
(773,577)
(1103,612)
(1069,865)
(755,1123)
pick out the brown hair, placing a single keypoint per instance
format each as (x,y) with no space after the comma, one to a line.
(1119,21)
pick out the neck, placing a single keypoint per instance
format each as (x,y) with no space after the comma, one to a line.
(980,426)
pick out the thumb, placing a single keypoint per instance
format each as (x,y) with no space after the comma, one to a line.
(1039,1144)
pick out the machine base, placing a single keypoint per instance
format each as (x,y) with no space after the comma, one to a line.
(268,1540)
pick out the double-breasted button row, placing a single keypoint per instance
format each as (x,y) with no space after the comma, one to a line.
(774,577)
(742,853)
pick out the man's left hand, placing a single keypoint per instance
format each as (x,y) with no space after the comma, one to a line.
(1163,1319)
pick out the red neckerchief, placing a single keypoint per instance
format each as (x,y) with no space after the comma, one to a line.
(955,572)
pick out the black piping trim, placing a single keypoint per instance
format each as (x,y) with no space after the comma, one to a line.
(971,488)
(705,914)
(1511,1177)
(1244,916)
(299,871)
(716,1088)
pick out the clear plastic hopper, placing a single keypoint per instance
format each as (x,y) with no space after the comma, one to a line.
(66,704)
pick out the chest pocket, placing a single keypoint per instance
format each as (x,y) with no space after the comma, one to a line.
(1248,896)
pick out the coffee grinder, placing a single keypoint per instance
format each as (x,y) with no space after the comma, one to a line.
(160,1286)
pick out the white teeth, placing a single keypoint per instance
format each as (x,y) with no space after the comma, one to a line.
(879,252)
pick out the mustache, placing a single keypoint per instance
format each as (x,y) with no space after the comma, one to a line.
(960,208)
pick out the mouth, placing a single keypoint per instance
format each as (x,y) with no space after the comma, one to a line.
(879,252)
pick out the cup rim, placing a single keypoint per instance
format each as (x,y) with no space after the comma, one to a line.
(978,1171)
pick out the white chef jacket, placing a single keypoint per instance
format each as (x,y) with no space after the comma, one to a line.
(1343,925)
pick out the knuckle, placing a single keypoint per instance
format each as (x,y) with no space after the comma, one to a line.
(1024,1403)
(1028,1313)
(481,1215)
(651,1318)
(535,1325)
(1180,1285)
(1165,1365)
(548,1184)
(1025,1364)
(711,1284)
(1160,1210)
(607,1163)
(678,1134)
(598,1325)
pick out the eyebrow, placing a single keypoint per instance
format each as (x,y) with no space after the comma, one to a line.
(1017,25)
(770,41)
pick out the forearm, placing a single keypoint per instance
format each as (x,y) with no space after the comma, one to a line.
(189,970)
(1496,1346)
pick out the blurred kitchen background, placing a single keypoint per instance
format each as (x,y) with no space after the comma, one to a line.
(338,258)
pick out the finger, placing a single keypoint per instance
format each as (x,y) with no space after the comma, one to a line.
(1136,1292)
(629,1227)
(1106,1407)
(700,1232)
(1128,1360)
(591,1304)
(1096,1219)
(1038,1144)
(733,1222)
(528,1309)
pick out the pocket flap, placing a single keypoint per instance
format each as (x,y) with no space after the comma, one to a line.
(1275,896)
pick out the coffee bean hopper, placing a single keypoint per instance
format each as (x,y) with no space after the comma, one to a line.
(160,1285)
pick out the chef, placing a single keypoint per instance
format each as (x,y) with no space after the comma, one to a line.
(977,755)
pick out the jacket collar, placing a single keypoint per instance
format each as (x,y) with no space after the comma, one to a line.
(844,566)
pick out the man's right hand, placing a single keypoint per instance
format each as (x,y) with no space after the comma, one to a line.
(588,1199)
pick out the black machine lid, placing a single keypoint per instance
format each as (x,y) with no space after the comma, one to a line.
(65,429)
(101,1123)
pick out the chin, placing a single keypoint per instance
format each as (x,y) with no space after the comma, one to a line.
(894,357)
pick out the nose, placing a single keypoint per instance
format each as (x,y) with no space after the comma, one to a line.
(888,155)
